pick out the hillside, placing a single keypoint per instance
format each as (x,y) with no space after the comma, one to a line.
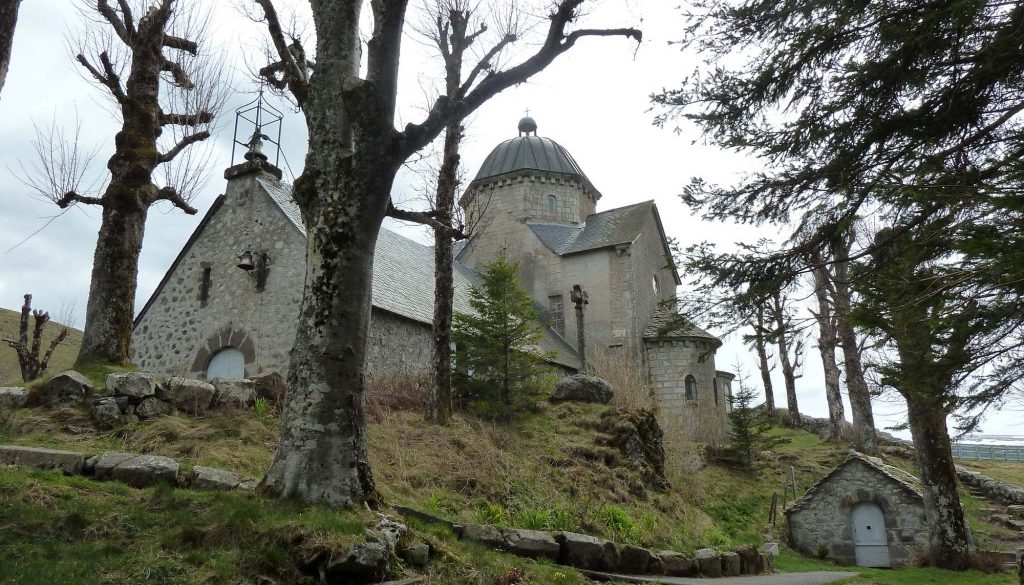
(552,469)
(63,357)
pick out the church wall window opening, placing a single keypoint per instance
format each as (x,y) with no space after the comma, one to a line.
(552,203)
(556,313)
(691,387)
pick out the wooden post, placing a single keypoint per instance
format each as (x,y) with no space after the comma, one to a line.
(792,471)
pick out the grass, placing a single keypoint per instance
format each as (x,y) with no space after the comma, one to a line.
(63,356)
(792,563)
(1003,470)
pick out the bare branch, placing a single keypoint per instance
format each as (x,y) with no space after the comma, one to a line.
(178,74)
(171,194)
(71,198)
(173,42)
(59,167)
(110,79)
(294,73)
(427,218)
(186,119)
(119,24)
(182,145)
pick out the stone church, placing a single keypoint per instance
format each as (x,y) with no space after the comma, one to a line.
(228,305)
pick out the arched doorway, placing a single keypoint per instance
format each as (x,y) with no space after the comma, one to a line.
(226,363)
(870,545)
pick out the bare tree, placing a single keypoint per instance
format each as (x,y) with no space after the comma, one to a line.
(790,341)
(827,343)
(166,92)
(759,340)
(344,194)
(8,22)
(28,348)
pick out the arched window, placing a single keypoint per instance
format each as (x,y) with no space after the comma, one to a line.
(691,388)
(226,363)
(655,285)
(552,203)
(714,387)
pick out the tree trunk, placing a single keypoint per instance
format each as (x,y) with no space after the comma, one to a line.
(827,347)
(949,543)
(788,375)
(865,439)
(762,362)
(439,401)
(8,22)
(107,335)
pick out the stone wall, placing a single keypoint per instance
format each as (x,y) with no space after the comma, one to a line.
(398,346)
(670,361)
(822,519)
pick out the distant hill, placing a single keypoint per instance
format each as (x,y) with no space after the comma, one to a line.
(63,356)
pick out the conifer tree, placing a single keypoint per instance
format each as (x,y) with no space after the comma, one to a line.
(747,426)
(496,344)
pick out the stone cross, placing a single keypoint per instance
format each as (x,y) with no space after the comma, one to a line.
(579,298)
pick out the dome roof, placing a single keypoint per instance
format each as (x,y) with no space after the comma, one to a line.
(529,152)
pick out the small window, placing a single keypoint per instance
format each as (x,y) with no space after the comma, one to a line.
(691,388)
(552,204)
(655,285)
(204,286)
(556,313)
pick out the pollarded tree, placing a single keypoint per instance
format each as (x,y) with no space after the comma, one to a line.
(344,193)
(31,358)
(165,91)
(497,343)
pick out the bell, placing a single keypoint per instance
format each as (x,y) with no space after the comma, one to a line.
(256,147)
(245,261)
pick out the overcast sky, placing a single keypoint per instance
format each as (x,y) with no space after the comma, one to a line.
(593,100)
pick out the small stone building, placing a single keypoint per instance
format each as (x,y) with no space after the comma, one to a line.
(863,513)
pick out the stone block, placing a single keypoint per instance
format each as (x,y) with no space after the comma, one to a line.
(70,462)
(634,560)
(136,385)
(587,552)
(709,563)
(531,543)
(417,555)
(731,564)
(136,470)
(580,388)
(152,407)
(13,397)
(209,478)
(105,413)
(189,396)
(1015,511)
(484,534)
(234,393)
(364,562)
(65,387)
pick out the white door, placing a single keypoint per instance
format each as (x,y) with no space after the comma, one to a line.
(869,542)
(226,363)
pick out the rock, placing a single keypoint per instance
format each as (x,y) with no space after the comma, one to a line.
(124,404)
(634,560)
(69,386)
(587,552)
(750,560)
(69,462)
(191,396)
(417,555)
(106,414)
(676,564)
(655,567)
(731,565)
(581,388)
(1016,511)
(13,397)
(483,533)
(136,385)
(392,534)
(233,393)
(364,562)
(209,478)
(136,470)
(271,387)
(531,543)
(151,407)
(639,438)
(770,549)
(709,563)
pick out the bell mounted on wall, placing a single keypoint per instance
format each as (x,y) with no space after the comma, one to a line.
(257,264)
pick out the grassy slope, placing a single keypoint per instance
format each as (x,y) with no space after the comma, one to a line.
(63,356)
(546,470)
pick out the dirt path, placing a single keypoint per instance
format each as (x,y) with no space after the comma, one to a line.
(812,578)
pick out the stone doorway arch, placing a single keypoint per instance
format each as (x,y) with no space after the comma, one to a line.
(228,336)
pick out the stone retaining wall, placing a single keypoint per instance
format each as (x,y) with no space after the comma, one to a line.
(992,488)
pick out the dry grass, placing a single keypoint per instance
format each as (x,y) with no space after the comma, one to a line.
(628,378)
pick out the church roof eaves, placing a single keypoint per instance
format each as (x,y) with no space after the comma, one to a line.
(665,323)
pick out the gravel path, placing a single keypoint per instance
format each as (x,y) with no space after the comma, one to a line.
(812,578)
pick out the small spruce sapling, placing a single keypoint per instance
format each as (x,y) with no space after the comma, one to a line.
(748,427)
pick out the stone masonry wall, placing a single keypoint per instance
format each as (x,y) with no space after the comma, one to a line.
(669,363)
(824,518)
(398,346)
(178,332)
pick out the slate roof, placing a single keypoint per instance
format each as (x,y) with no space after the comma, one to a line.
(666,323)
(403,276)
(600,230)
(528,153)
(901,478)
